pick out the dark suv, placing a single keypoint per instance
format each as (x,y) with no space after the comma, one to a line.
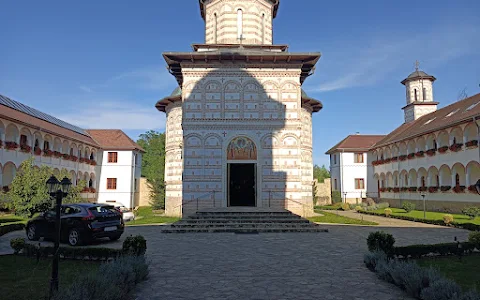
(80,223)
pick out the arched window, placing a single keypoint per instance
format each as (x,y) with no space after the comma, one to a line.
(263,28)
(438,181)
(423,181)
(416,94)
(215,28)
(406,180)
(435,144)
(240,24)
(457,180)
(424,94)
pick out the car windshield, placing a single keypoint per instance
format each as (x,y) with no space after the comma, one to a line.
(104,209)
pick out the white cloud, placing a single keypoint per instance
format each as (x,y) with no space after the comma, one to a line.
(116,115)
(376,59)
(85,89)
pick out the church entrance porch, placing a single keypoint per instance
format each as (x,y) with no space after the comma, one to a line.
(241,184)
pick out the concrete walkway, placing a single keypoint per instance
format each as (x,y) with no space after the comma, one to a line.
(382,221)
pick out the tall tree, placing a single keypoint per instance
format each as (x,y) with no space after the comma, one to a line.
(153,165)
(29,192)
(320,173)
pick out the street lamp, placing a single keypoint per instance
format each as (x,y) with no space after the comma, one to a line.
(345,194)
(424,208)
(58,190)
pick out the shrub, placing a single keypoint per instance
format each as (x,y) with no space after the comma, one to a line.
(442,289)
(358,208)
(337,205)
(112,281)
(381,241)
(447,219)
(417,251)
(474,238)
(371,208)
(372,258)
(73,252)
(387,212)
(135,245)
(370,202)
(17,244)
(383,205)
(408,206)
(336,197)
(345,206)
(472,212)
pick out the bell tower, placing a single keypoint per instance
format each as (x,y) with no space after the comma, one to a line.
(419,94)
(239,22)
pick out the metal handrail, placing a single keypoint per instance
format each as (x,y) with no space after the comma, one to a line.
(196,199)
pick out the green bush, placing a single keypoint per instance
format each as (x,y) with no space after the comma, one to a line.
(381,241)
(447,219)
(471,212)
(387,212)
(418,282)
(408,206)
(345,207)
(336,197)
(326,207)
(382,205)
(17,245)
(474,238)
(358,208)
(4,229)
(135,245)
(73,252)
(417,251)
(113,281)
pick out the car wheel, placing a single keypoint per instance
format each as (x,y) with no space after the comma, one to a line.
(115,237)
(74,238)
(32,233)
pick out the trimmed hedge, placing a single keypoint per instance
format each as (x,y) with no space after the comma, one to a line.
(4,229)
(467,226)
(73,253)
(417,251)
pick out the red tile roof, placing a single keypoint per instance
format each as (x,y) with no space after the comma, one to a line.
(113,139)
(356,143)
(457,113)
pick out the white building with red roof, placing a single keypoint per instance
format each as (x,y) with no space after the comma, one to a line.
(108,161)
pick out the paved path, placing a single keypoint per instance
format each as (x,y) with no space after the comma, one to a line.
(268,266)
(382,221)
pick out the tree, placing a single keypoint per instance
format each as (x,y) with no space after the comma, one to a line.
(320,173)
(29,192)
(153,165)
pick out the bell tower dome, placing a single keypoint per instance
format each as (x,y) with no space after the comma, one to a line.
(239,22)
(419,95)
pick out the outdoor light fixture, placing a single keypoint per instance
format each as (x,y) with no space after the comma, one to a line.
(58,190)
(424,208)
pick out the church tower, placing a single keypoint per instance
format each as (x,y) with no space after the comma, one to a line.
(239,125)
(238,22)
(419,95)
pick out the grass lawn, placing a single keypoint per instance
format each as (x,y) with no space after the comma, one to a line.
(329,217)
(22,278)
(464,271)
(430,215)
(146,216)
(4,219)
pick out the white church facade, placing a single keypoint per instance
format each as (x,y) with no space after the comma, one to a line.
(434,154)
(239,127)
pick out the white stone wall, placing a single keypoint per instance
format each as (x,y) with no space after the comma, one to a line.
(415,92)
(222,23)
(127,171)
(221,103)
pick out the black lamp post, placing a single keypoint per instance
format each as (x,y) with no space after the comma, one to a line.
(58,190)
(424,206)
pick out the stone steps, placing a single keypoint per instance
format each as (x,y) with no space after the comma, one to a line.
(243,220)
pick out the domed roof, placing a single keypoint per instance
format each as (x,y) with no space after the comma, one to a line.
(418,75)
(176,92)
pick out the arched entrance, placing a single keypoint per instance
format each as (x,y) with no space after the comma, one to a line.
(242,172)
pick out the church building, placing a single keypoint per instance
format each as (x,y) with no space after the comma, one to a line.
(239,126)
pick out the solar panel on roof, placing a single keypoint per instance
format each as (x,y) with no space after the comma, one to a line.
(39,115)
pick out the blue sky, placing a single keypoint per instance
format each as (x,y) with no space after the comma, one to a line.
(98,64)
